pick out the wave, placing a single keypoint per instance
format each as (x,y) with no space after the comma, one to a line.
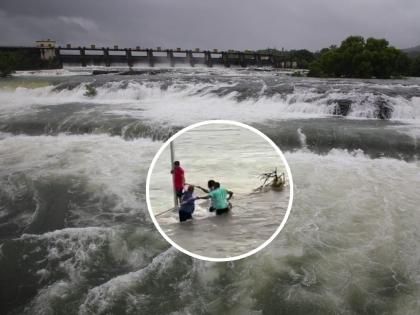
(350,245)
(49,183)
(53,72)
(376,138)
(56,268)
(118,294)
(183,100)
(352,231)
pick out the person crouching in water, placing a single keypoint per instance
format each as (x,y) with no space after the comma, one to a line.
(187,204)
(219,199)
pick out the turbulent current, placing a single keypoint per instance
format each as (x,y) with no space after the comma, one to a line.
(76,236)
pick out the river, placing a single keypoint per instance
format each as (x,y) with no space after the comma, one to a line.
(76,236)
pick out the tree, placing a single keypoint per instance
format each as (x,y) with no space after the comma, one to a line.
(8,63)
(360,58)
(415,67)
(373,44)
(402,63)
(303,57)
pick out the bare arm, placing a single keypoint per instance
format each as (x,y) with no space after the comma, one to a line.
(203,189)
(189,200)
(206,197)
(230,195)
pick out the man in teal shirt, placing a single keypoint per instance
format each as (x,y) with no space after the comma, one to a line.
(220,198)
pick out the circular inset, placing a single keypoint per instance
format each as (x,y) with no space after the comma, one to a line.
(246,163)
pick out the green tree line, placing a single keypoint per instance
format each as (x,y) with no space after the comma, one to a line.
(354,58)
(360,58)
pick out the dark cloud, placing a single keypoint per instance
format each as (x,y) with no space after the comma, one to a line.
(237,24)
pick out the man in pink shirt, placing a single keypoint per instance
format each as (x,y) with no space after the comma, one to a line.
(179,180)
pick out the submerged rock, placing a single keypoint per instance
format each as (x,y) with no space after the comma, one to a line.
(144,71)
(342,107)
(383,109)
(99,72)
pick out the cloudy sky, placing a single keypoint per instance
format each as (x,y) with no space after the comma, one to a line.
(224,24)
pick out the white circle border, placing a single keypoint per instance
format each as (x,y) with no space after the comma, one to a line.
(214,259)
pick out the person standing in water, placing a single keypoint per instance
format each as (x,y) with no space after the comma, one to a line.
(179,179)
(187,204)
(220,199)
(210,185)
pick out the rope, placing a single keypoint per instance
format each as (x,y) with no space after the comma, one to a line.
(163,212)
(235,197)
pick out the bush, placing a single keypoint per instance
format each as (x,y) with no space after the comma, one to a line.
(90,91)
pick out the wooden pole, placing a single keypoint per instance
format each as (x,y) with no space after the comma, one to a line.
(173,174)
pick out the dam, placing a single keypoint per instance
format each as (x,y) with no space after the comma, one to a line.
(117,56)
(109,56)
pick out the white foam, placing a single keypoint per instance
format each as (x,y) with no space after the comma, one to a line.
(185,103)
(109,164)
(353,218)
(72,251)
(101,298)
(53,72)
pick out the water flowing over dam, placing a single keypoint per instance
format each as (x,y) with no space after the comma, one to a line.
(151,57)
(148,57)
(76,236)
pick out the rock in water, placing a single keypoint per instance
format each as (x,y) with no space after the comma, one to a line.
(383,109)
(342,108)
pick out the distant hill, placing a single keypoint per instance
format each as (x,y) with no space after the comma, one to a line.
(413,51)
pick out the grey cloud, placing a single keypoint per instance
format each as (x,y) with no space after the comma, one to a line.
(237,24)
(83,23)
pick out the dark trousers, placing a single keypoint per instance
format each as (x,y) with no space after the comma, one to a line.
(184,216)
(221,211)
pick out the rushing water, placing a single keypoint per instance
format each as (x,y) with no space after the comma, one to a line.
(77,238)
(235,157)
